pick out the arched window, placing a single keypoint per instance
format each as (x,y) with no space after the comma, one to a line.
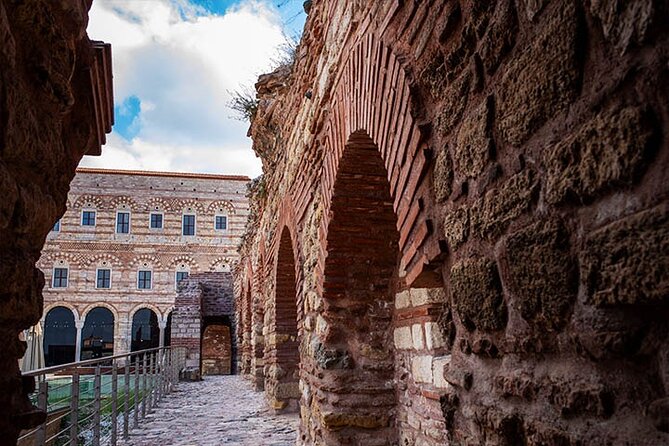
(145,330)
(97,336)
(60,335)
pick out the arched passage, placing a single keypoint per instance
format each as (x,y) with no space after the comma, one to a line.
(355,360)
(283,355)
(97,335)
(145,330)
(60,336)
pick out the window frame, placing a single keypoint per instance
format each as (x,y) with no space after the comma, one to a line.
(162,220)
(97,278)
(176,277)
(67,277)
(183,217)
(227,222)
(116,222)
(88,211)
(150,287)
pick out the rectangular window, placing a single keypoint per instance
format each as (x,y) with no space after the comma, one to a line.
(144,280)
(104,278)
(181,275)
(56,227)
(88,218)
(221,223)
(156,221)
(123,222)
(60,277)
(188,225)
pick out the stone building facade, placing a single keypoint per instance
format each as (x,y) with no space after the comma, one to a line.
(462,231)
(123,244)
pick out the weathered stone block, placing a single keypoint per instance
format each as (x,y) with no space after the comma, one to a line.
(492,213)
(607,151)
(421,369)
(500,37)
(474,144)
(456,227)
(418,337)
(542,273)
(425,296)
(477,294)
(624,24)
(341,420)
(433,336)
(402,337)
(442,178)
(627,262)
(543,79)
(402,300)
(456,97)
(439,366)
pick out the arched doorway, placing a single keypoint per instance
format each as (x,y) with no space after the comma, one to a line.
(282,381)
(97,336)
(168,330)
(60,336)
(216,347)
(145,330)
(360,276)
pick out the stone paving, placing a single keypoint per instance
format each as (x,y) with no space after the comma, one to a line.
(221,410)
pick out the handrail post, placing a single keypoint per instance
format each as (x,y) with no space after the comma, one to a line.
(96,407)
(151,380)
(135,414)
(114,409)
(74,409)
(126,406)
(42,403)
(144,385)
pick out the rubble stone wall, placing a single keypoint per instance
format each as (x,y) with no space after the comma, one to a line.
(476,196)
(55,106)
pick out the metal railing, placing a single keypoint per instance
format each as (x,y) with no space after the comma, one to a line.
(93,402)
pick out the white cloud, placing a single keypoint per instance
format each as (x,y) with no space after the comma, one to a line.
(181,64)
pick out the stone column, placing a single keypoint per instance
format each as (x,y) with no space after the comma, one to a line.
(77,343)
(162,324)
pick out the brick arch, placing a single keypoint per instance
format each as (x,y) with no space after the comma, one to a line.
(109,307)
(98,258)
(221,204)
(183,205)
(160,203)
(282,355)
(258,320)
(86,201)
(360,276)
(376,98)
(153,261)
(119,202)
(138,307)
(72,308)
(185,259)
(220,261)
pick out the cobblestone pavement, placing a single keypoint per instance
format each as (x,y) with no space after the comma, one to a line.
(221,410)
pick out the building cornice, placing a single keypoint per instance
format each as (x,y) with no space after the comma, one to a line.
(145,173)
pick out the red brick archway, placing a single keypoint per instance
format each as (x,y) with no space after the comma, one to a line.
(355,361)
(282,355)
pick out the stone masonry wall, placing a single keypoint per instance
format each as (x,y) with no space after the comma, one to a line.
(55,106)
(509,159)
(203,299)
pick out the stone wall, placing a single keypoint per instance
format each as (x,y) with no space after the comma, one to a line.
(55,106)
(205,300)
(475,196)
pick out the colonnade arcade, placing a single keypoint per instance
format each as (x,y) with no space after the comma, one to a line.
(100,331)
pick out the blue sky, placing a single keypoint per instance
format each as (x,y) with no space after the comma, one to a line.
(175,63)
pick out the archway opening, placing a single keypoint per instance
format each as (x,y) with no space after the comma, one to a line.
(355,360)
(283,357)
(216,346)
(97,336)
(60,337)
(145,330)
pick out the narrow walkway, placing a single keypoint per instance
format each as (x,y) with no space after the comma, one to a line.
(221,410)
